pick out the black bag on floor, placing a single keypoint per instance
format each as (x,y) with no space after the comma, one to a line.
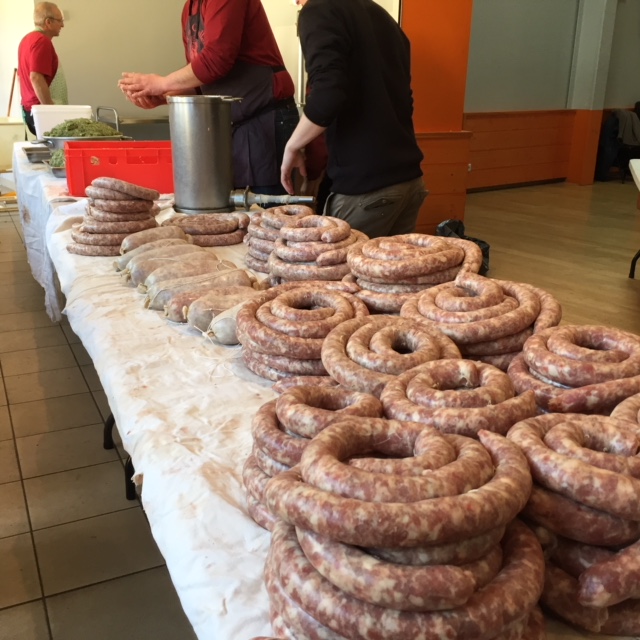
(455,229)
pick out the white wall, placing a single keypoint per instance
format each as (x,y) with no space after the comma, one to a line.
(520,54)
(623,85)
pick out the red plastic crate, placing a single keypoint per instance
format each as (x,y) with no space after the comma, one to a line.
(145,163)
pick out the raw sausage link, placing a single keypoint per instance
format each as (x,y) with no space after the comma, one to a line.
(456,553)
(315,229)
(290,251)
(589,485)
(142,265)
(573,520)
(504,600)
(93,250)
(400,346)
(106,216)
(260,514)
(270,466)
(192,264)
(284,385)
(258,255)
(123,206)
(263,246)
(293,366)
(102,239)
(575,557)
(613,580)
(277,217)
(269,373)
(623,620)
(305,271)
(98,193)
(308,410)
(412,524)
(628,409)
(205,223)
(256,230)
(219,240)
(257,265)
(133,190)
(135,240)
(95,226)
(121,263)
(560,595)
(457,396)
(384,302)
(254,478)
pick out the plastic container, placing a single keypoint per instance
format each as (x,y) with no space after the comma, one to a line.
(147,164)
(47,116)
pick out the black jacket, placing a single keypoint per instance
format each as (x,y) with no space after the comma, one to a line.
(358,61)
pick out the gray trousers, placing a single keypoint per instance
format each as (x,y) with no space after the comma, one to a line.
(386,212)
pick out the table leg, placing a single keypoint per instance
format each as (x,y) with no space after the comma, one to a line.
(129,487)
(107,432)
(632,270)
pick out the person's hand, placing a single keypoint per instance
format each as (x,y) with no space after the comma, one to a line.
(142,84)
(146,102)
(292,159)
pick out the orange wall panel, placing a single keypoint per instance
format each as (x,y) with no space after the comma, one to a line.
(584,147)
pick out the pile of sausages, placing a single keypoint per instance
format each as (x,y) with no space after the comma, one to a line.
(489,320)
(587,481)
(282,429)
(313,248)
(457,396)
(392,270)
(116,209)
(366,353)
(212,229)
(419,544)
(579,368)
(282,332)
(264,230)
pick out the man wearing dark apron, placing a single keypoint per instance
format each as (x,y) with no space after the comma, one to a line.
(231,50)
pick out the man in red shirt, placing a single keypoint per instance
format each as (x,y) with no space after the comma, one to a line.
(231,50)
(37,59)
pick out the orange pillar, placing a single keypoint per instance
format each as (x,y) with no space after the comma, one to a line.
(439,32)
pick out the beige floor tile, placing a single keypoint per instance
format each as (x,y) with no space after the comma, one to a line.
(17,363)
(103,403)
(25,320)
(45,384)
(13,256)
(21,304)
(14,266)
(81,354)
(13,512)
(92,378)
(54,414)
(62,451)
(16,278)
(9,471)
(51,336)
(89,551)
(5,424)
(19,576)
(11,243)
(22,289)
(74,495)
(24,622)
(143,605)
(3,395)
(72,338)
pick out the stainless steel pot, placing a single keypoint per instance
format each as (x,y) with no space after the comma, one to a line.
(201,152)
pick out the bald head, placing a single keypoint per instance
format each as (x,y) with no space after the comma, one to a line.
(44,10)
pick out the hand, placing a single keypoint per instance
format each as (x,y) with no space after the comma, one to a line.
(146,102)
(142,84)
(293,159)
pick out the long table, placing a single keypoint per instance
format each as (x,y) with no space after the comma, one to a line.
(183,407)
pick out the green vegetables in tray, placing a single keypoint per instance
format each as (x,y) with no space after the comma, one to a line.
(57,158)
(81,128)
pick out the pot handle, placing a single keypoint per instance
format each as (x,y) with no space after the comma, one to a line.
(115,121)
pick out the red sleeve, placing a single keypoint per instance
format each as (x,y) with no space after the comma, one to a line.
(42,58)
(223,28)
(185,17)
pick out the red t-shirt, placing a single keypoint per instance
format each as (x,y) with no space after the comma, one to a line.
(35,53)
(233,30)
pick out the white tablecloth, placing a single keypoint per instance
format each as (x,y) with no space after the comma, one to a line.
(183,407)
(39,193)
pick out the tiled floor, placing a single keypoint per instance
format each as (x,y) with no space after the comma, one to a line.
(77,560)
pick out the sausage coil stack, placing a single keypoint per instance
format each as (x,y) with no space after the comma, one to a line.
(282,428)
(582,369)
(404,547)
(212,229)
(116,209)
(391,270)
(587,481)
(366,353)
(313,248)
(489,320)
(457,396)
(282,332)
(264,230)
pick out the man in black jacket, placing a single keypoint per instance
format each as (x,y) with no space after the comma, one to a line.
(358,61)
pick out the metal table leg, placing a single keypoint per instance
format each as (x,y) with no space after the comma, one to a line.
(632,270)
(107,432)
(129,484)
